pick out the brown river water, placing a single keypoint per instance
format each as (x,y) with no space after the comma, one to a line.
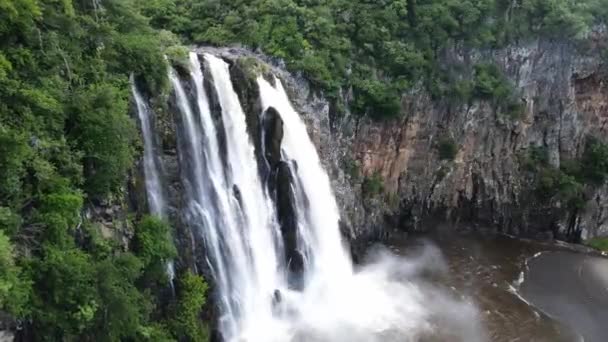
(524,290)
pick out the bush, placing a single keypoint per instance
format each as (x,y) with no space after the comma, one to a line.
(595,161)
(153,243)
(600,243)
(447,149)
(14,153)
(65,298)
(14,288)
(178,55)
(376,99)
(372,186)
(352,169)
(105,134)
(186,323)
(122,308)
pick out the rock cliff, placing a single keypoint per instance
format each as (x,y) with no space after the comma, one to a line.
(565,96)
(563,92)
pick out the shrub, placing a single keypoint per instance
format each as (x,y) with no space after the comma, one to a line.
(178,55)
(14,289)
(376,99)
(600,243)
(186,323)
(447,149)
(153,242)
(490,83)
(352,169)
(105,134)
(595,161)
(372,186)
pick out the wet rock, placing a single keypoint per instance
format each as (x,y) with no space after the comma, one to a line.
(273,135)
(287,214)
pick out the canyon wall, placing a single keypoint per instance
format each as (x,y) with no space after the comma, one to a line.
(564,96)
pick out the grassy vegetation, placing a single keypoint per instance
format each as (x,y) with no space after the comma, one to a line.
(373,185)
(598,243)
(568,183)
(447,148)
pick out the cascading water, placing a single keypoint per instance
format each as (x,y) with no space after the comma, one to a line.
(231,209)
(154,190)
(154,193)
(228,203)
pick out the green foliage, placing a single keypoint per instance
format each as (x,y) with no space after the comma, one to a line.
(122,306)
(373,185)
(14,153)
(598,243)
(9,221)
(568,183)
(554,183)
(14,287)
(152,242)
(380,48)
(252,66)
(352,169)
(65,298)
(490,83)
(447,148)
(537,156)
(65,136)
(178,55)
(595,161)
(186,323)
(376,99)
(60,213)
(104,133)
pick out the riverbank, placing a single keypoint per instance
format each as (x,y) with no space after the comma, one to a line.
(572,288)
(496,273)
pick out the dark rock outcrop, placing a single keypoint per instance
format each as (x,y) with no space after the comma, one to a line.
(273,135)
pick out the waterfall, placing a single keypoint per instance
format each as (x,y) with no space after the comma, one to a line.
(154,190)
(319,233)
(233,212)
(228,204)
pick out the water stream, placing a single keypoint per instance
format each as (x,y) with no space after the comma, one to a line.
(426,292)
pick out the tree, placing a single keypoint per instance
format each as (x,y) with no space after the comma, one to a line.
(186,322)
(123,309)
(104,133)
(153,242)
(14,287)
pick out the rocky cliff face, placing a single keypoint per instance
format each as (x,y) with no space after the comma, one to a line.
(564,91)
(564,95)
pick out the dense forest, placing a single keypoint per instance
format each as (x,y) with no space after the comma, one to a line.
(67,140)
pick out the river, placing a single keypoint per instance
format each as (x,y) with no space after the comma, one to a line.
(524,290)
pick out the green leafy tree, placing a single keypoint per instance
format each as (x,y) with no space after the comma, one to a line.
(14,287)
(104,133)
(186,322)
(153,242)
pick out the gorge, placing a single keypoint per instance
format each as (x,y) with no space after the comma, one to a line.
(287,281)
(296,170)
(280,274)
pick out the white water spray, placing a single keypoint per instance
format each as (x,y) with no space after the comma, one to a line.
(232,211)
(154,190)
(379,302)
